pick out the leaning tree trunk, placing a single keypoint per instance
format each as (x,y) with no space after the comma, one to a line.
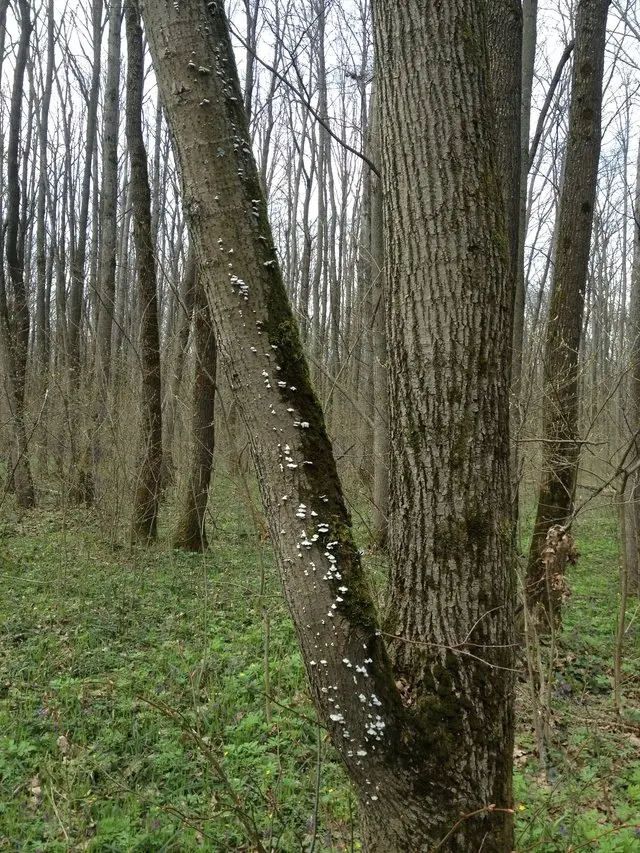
(191,533)
(147,491)
(427,746)
(544,584)
(14,311)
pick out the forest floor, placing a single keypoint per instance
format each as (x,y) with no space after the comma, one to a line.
(152,700)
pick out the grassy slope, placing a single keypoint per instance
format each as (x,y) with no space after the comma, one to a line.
(133,714)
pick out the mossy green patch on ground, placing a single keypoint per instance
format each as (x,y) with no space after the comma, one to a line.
(133,714)
(590,796)
(123,673)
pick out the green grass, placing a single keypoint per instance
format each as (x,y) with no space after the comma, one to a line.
(592,793)
(133,715)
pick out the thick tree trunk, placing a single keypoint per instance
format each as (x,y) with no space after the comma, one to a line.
(450,541)
(433,740)
(147,491)
(191,533)
(561,448)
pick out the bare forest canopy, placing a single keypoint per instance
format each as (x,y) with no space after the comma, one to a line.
(308,87)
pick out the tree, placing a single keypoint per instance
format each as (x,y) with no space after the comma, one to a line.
(80,248)
(191,533)
(147,491)
(41,324)
(424,725)
(108,229)
(561,447)
(632,506)
(14,320)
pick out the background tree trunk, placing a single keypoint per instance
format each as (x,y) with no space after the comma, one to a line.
(15,320)
(78,260)
(191,533)
(108,233)
(561,448)
(147,491)
(183,323)
(632,506)
(380,518)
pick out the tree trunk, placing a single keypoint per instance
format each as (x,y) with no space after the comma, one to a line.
(108,233)
(449,527)
(505,43)
(41,338)
(433,739)
(184,311)
(632,504)
(504,36)
(147,491)
(78,260)
(191,533)
(15,321)
(561,448)
(379,347)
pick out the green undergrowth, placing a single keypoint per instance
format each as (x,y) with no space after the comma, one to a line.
(589,797)
(134,714)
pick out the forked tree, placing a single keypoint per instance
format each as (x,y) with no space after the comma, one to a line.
(420,710)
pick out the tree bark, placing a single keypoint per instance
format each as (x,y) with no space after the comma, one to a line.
(561,448)
(108,236)
(504,37)
(15,322)
(632,502)
(147,491)
(183,324)
(78,260)
(41,337)
(529,39)
(109,210)
(449,527)
(418,753)
(191,533)
(379,345)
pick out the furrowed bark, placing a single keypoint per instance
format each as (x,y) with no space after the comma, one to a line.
(416,758)
(147,490)
(561,448)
